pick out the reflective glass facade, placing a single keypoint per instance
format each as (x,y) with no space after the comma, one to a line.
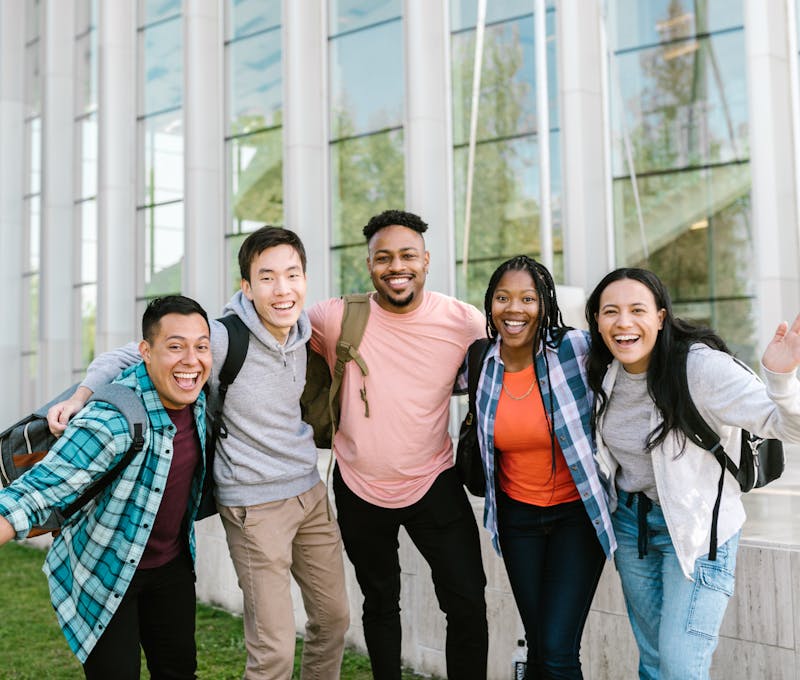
(85,208)
(254,127)
(367,89)
(160,123)
(680,156)
(505,215)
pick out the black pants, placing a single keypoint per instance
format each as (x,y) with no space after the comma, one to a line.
(442,526)
(554,562)
(158,613)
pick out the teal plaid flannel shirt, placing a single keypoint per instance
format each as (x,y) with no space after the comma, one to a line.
(572,402)
(91,563)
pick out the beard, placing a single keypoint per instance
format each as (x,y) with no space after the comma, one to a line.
(401,302)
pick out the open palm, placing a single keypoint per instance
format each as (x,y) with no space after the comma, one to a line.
(783,352)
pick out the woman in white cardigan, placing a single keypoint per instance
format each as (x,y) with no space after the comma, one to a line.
(644,365)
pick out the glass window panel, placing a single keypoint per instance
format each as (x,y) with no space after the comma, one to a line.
(348,15)
(508,91)
(505,199)
(156,10)
(34,204)
(85,16)
(163,249)
(682,110)
(257,180)
(32,20)
(633,23)
(464,13)
(86,73)
(35,155)
(255,82)
(251,16)
(88,307)
(234,242)
(350,274)
(88,230)
(33,80)
(163,158)
(367,177)
(367,93)
(163,67)
(86,129)
(30,284)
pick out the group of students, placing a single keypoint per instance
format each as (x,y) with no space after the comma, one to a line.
(582,436)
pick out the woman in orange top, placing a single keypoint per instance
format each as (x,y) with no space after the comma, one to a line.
(545,505)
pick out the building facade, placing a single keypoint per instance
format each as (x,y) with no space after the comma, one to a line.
(143,140)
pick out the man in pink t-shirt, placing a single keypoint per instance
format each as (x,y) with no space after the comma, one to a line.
(395,465)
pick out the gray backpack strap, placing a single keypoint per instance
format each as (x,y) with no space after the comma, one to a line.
(127,402)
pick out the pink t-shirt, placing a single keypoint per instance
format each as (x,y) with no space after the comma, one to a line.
(392,457)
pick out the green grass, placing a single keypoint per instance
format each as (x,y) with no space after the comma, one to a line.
(32,646)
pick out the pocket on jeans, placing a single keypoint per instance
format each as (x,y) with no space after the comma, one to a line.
(713,588)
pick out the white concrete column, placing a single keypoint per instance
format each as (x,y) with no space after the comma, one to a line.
(583,142)
(12,188)
(204,154)
(428,138)
(58,242)
(306,192)
(772,149)
(116,185)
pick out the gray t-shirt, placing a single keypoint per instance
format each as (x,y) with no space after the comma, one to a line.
(626,424)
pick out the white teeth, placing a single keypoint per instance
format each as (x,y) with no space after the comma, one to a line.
(283,305)
(187,376)
(399,279)
(623,338)
(514,323)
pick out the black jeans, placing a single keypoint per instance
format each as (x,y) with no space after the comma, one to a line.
(158,613)
(554,562)
(442,526)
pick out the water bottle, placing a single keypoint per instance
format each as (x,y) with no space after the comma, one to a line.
(519,660)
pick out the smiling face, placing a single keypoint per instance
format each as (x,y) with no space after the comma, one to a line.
(178,358)
(398,264)
(629,320)
(277,289)
(515,312)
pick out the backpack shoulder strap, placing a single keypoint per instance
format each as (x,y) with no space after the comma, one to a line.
(354,322)
(475,357)
(238,341)
(131,406)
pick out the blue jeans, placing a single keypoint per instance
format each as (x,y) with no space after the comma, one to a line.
(675,621)
(554,561)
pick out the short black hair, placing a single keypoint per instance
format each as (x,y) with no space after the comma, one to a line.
(389,218)
(169,304)
(267,237)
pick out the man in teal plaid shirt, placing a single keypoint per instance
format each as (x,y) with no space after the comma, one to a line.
(121,572)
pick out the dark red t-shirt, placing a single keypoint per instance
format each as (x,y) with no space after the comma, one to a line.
(166,538)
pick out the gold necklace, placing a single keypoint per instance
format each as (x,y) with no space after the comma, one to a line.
(530,389)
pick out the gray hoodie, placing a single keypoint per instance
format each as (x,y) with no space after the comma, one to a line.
(269,453)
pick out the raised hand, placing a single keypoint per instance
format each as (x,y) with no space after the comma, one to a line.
(782,354)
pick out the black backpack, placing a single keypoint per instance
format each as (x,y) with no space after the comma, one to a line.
(27,441)
(761,460)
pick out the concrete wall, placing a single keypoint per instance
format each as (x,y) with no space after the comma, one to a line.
(760,636)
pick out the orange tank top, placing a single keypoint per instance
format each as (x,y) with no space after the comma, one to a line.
(522,446)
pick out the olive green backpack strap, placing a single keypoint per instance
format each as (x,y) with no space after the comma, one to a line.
(354,321)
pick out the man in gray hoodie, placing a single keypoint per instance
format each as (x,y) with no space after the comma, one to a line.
(273,504)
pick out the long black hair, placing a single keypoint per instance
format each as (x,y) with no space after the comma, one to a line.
(550,326)
(666,372)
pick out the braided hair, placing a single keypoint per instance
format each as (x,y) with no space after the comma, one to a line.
(550,327)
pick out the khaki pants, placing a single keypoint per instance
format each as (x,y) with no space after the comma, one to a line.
(269,542)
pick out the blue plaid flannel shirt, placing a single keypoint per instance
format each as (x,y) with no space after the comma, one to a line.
(91,563)
(572,404)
